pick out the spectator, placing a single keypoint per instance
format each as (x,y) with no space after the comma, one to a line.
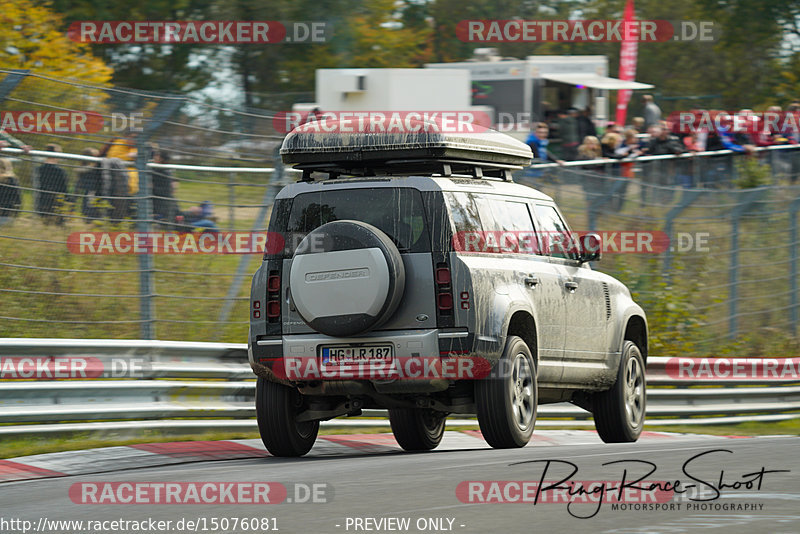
(770,126)
(590,149)
(666,173)
(616,186)
(791,128)
(609,144)
(124,149)
(742,135)
(586,127)
(638,124)
(568,131)
(538,141)
(199,217)
(613,127)
(164,207)
(717,167)
(593,182)
(628,148)
(10,199)
(662,142)
(88,185)
(652,113)
(692,142)
(791,132)
(51,181)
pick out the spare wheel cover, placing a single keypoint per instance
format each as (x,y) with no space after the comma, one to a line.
(346,278)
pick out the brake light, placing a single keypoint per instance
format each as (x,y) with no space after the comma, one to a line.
(444,293)
(273,297)
(274,283)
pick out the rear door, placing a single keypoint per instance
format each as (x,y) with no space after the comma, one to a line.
(506,268)
(399,213)
(586,325)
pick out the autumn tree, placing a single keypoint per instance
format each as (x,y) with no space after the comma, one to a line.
(31,37)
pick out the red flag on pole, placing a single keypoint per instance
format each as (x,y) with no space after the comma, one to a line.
(627,60)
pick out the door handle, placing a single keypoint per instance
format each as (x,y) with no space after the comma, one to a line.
(571,286)
(531,281)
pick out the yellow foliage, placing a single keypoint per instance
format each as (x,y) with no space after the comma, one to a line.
(31,38)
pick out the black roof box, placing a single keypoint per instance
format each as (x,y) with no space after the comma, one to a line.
(309,146)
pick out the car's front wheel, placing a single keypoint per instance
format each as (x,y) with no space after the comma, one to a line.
(619,412)
(506,400)
(277,407)
(417,429)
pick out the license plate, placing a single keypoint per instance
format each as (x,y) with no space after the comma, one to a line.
(354,355)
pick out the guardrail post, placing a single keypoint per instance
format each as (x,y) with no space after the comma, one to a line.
(144,210)
(794,272)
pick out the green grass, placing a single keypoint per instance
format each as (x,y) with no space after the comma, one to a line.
(181,316)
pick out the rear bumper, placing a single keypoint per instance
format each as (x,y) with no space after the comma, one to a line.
(423,360)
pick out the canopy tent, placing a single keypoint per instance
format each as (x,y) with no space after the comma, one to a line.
(596,81)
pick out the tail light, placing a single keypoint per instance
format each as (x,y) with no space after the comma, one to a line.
(444,289)
(274,297)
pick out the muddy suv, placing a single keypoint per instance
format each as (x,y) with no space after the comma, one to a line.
(410,273)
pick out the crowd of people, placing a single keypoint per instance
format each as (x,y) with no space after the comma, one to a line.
(652,135)
(101,189)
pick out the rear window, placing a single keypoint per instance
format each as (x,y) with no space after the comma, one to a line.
(398,212)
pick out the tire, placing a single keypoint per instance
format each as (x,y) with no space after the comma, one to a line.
(417,429)
(347,277)
(619,413)
(506,401)
(276,410)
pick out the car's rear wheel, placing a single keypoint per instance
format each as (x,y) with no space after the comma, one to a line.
(277,407)
(417,429)
(619,413)
(506,401)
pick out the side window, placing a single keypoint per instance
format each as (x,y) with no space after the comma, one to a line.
(463,212)
(507,225)
(555,234)
(511,216)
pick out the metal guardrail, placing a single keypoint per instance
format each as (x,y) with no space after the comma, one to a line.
(192,386)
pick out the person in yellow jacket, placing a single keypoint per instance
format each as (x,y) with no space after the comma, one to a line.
(124,149)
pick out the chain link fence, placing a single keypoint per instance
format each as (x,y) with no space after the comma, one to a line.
(730,267)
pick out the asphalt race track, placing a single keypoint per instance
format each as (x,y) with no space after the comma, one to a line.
(365,480)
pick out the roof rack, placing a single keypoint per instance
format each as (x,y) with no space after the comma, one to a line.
(482,154)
